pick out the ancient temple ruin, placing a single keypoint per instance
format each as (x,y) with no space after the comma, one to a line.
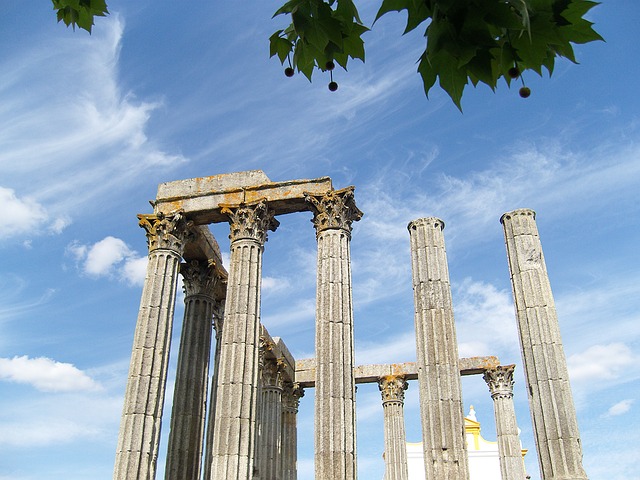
(249,415)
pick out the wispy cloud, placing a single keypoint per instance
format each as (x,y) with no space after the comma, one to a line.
(620,408)
(45,374)
(602,363)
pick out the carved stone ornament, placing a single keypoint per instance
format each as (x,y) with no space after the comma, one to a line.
(250,221)
(334,210)
(500,381)
(291,395)
(198,278)
(165,231)
(272,373)
(392,388)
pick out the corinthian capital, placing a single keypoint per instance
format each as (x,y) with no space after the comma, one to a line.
(165,231)
(291,395)
(392,388)
(250,221)
(500,381)
(334,210)
(198,278)
(272,373)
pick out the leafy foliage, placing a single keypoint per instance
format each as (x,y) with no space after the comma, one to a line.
(80,12)
(467,41)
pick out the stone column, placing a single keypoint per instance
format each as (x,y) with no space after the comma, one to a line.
(270,448)
(500,382)
(292,392)
(218,322)
(335,412)
(139,436)
(184,453)
(235,420)
(395,438)
(443,436)
(545,367)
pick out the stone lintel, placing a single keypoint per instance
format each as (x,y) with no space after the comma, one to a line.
(201,198)
(203,247)
(306,370)
(279,351)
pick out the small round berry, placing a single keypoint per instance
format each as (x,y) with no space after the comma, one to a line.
(333,86)
(525,92)
(330,65)
(514,72)
(289,72)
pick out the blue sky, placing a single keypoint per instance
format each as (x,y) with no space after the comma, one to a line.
(89,125)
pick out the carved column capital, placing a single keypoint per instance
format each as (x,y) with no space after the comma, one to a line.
(250,221)
(272,373)
(198,278)
(165,231)
(500,381)
(334,210)
(392,388)
(291,395)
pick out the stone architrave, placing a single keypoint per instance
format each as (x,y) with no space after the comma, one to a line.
(269,447)
(184,453)
(500,382)
(395,438)
(235,421)
(545,367)
(139,436)
(335,415)
(291,394)
(218,322)
(440,390)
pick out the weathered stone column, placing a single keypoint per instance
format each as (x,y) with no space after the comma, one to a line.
(292,392)
(545,367)
(139,436)
(335,412)
(265,346)
(235,421)
(443,436)
(218,322)
(184,453)
(395,438)
(500,382)
(270,448)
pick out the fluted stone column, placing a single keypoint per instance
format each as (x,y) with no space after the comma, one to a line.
(270,447)
(139,435)
(335,412)
(500,382)
(218,322)
(395,438)
(184,453)
(264,347)
(235,421)
(292,392)
(444,443)
(552,409)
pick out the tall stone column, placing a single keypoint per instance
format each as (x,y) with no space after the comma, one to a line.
(500,382)
(218,322)
(270,447)
(292,392)
(395,437)
(444,443)
(235,421)
(184,453)
(552,409)
(139,435)
(335,412)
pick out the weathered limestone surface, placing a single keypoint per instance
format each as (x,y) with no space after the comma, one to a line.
(270,444)
(139,435)
(395,438)
(291,394)
(552,409)
(306,370)
(335,412)
(500,382)
(235,426)
(444,442)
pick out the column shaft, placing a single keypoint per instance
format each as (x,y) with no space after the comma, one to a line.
(552,409)
(500,382)
(290,401)
(139,435)
(184,453)
(270,448)
(444,443)
(395,437)
(335,413)
(235,421)
(218,323)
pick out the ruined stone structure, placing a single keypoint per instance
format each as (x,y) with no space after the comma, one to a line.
(250,414)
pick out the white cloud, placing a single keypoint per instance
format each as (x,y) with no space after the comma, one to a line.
(45,374)
(620,408)
(44,432)
(273,284)
(600,363)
